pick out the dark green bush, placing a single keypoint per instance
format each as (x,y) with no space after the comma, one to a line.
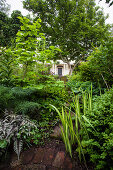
(32,101)
(19,100)
(28,108)
(80,86)
(6,98)
(99,145)
(13,82)
(98,66)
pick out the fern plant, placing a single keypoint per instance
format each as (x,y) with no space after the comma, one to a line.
(16,128)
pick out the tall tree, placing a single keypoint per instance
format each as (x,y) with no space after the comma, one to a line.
(30,47)
(15,22)
(4,29)
(9,27)
(74,26)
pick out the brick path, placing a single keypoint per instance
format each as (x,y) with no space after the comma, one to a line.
(50,157)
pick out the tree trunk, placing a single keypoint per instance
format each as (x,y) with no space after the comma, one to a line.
(77,63)
(70,68)
(25,70)
(105,81)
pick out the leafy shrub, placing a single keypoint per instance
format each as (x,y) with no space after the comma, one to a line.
(29,93)
(6,98)
(20,100)
(99,146)
(86,72)
(16,128)
(80,86)
(28,108)
(98,66)
(6,63)
(20,131)
(32,101)
(55,89)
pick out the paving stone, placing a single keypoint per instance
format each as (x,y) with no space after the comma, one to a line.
(38,158)
(52,168)
(27,157)
(56,133)
(48,156)
(15,163)
(17,168)
(67,163)
(59,160)
(34,167)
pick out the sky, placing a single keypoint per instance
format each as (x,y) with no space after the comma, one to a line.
(107,10)
(17,5)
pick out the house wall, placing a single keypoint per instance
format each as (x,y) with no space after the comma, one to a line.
(64,66)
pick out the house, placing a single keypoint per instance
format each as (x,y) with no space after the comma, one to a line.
(60,68)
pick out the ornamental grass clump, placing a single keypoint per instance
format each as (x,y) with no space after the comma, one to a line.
(73,121)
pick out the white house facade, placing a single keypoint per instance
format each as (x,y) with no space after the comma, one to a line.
(61,68)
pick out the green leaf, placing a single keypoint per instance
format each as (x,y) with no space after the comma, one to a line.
(3,144)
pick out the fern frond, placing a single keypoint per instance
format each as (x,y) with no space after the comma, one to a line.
(18,145)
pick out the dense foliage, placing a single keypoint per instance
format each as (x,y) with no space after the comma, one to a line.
(29,57)
(74,26)
(33,103)
(32,100)
(9,27)
(98,66)
(100,142)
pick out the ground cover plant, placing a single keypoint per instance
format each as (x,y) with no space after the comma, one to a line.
(34,103)
(78,86)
